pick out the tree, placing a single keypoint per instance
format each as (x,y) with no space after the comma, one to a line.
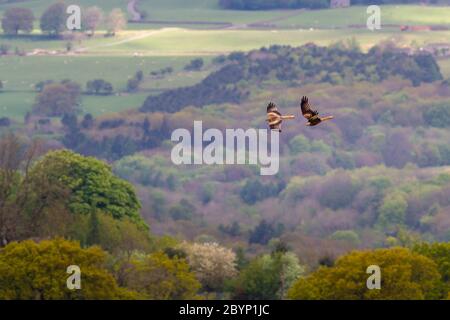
(93,236)
(397,151)
(37,271)
(392,211)
(212,264)
(299,144)
(184,210)
(30,204)
(254,191)
(139,75)
(121,237)
(41,85)
(159,277)
(133,84)
(92,185)
(99,86)
(268,277)
(57,99)
(405,275)
(92,17)
(264,232)
(440,254)
(338,191)
(158,204)
(53,20)
(346,235)
(4,49)
(17,19)
(88,121)
(116,21)
(195,65)
(437,116)
(70,121)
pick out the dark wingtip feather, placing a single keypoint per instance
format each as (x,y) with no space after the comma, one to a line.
(271,106)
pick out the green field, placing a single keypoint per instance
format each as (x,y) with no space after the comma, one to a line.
(173,41)
(15,105)
(177,11)
(399,15)
(20,74)
(209,11)
(149,47)
(188,42)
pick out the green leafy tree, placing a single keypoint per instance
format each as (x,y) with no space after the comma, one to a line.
(53,20)
(184,210)
(30,204)
(346,235)
(268,277)
(122,237)
(133,84)
(437,115)
(99,86)
(195,65)
(440,254)
(392,211)
(404,275)
(94,229)
(17,19)
(92,184)
(159,277)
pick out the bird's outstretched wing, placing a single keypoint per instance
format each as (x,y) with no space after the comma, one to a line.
(307,112)
(272,107)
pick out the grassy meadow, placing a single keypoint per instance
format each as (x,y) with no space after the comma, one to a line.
(151,47)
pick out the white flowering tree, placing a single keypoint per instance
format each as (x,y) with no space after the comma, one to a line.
(212,263)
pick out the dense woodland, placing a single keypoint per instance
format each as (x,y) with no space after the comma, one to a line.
(62,195)
(296,66)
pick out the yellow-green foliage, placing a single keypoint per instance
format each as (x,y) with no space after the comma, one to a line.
(30,270)
(440,254)
(404,275)
(156,276)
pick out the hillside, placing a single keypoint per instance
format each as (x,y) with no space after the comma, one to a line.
(86,169)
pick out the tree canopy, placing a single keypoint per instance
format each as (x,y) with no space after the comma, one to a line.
(17,19)
(404,275)
(53,20)
(38,271)
(92,184)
